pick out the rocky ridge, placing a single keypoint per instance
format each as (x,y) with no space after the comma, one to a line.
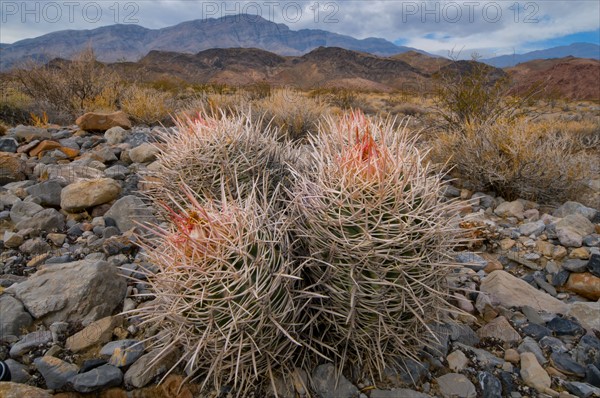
(71,201)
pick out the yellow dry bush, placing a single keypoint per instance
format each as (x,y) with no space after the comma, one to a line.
(515,159)
(291,112)
(147,105)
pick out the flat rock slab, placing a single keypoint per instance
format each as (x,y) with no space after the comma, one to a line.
(511,291)
(80,291)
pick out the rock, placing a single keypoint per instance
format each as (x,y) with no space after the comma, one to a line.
(97,332)
(566,365)
(31,133)
(591,240)
(587,314)
(506,244)
(532,228)
(44,146)
(511,291)
(122,352)
(592,375)
(545,248)
(115,135)
(501,329)
(12,240)
(575,265)
(510,209)
(521,259)
(536,331)
(324,382)
(18,371)
(16,390)
(14,316)
(569,208)
(455,385)
(491,387)
(581,253)
(24,210)
(128,211)
(407,372)
(103,377)
(577,223)
(117,172)
(571,229)
(568,237)
(593,265)
(46,220)
(587,351)
(85,194)
(565,327)
(511,355)
(56,372)
(145,369)
(67,173)
(79,291)
(582,390)
(12,168)
(29,342)
(8,144)
(530,345)
(96,121)
(56,239)
(584,284)
(35,246)
(533,374)
(398,393)
(144,153)
(457,361)
(485,358)
(553,344)
(48,192)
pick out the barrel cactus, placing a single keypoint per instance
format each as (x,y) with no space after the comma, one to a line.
(212,153)
(226,291)
(379,240)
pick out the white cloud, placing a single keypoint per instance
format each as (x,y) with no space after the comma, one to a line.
(435,26)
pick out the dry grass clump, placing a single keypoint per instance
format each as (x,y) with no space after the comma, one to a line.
(515,159)
(147,105)
(379,242)
(291,113)
(226,291)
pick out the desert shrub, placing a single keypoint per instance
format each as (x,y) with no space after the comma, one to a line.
(379,241)
(290,112)
(68,88)
(470,92)
(408,110)
(147,105)
(226,291)
(516,159)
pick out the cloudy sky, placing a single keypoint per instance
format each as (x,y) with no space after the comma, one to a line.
(487,27)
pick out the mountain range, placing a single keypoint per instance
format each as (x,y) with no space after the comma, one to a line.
(132,42)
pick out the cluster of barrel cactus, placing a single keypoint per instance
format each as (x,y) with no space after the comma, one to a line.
(267,263)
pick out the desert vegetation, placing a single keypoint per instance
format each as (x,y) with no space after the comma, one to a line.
(302,226)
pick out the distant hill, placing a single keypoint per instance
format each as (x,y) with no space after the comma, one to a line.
(579,50)
(323,67)
(132,42)
(568,78)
